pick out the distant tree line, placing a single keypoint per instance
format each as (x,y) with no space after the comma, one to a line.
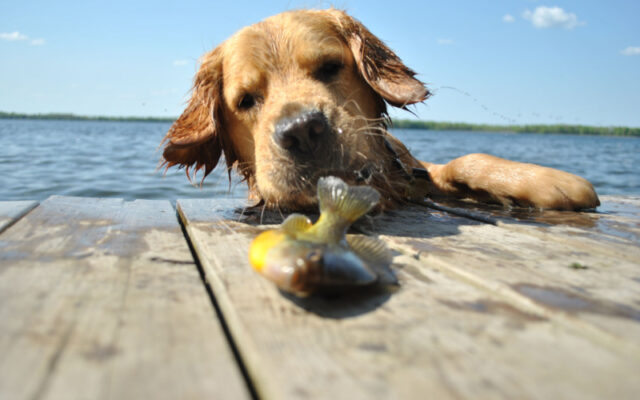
(558,128)
(74,117)
(397,123)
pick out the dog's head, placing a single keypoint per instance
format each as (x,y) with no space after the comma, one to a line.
(296,97)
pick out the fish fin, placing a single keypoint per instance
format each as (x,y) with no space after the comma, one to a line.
(295,223)
(350,202)
(370,249)
(375,254)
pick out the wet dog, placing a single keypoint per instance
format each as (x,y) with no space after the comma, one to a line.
(304,94)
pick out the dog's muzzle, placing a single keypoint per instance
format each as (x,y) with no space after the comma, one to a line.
(302,133)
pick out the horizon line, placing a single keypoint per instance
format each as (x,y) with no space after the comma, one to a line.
(71,116)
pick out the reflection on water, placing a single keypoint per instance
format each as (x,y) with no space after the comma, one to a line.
(119,159)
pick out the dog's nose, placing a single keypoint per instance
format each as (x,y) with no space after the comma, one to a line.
(301,133)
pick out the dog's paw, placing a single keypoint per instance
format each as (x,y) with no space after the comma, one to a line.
(555,189)
(488,178)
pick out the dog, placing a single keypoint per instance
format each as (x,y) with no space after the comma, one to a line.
(304,94)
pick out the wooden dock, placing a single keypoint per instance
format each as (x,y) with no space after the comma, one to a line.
(107,299)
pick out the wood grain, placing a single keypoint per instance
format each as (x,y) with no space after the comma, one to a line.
(586,272)
(440,335)
(101,299)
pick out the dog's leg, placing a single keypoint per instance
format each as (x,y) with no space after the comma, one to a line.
(495,180)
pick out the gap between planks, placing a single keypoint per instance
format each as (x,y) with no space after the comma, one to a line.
(576,325)
(221,242)
(216,307)
(100,296)
(12,211)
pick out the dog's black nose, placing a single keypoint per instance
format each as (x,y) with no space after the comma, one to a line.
(302,132)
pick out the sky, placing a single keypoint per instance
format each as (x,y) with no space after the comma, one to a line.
(498,61)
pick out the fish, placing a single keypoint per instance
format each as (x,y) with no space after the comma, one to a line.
(303,258)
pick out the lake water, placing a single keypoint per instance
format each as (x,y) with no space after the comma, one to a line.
(119,159)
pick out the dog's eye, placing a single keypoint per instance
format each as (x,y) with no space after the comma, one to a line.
(246,102)
(328,71)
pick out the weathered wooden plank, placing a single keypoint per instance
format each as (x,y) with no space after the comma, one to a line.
(620,215)
(437,336)
(628,205)
(617,218)
(101,299)
(579,276)
(10,211)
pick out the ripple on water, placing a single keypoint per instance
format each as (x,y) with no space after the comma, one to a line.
(119,159)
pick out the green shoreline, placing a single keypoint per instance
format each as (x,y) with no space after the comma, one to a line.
(397,124)
(74,117)
(543,129)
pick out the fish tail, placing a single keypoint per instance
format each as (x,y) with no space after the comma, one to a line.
(349,202)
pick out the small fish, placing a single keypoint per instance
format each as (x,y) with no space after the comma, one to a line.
(302,258)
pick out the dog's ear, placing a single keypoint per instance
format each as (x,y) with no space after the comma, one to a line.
(197,138)
(379,65)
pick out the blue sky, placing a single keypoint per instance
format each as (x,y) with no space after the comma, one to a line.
(518,61)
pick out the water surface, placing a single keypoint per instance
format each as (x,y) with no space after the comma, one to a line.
(39,158)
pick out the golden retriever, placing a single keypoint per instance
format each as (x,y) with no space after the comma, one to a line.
(303,94)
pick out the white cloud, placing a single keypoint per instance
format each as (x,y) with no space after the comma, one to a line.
(445,42)
(508,18)
(552,17)
(180,63)
(631,51)
(17,36)
(13,36)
